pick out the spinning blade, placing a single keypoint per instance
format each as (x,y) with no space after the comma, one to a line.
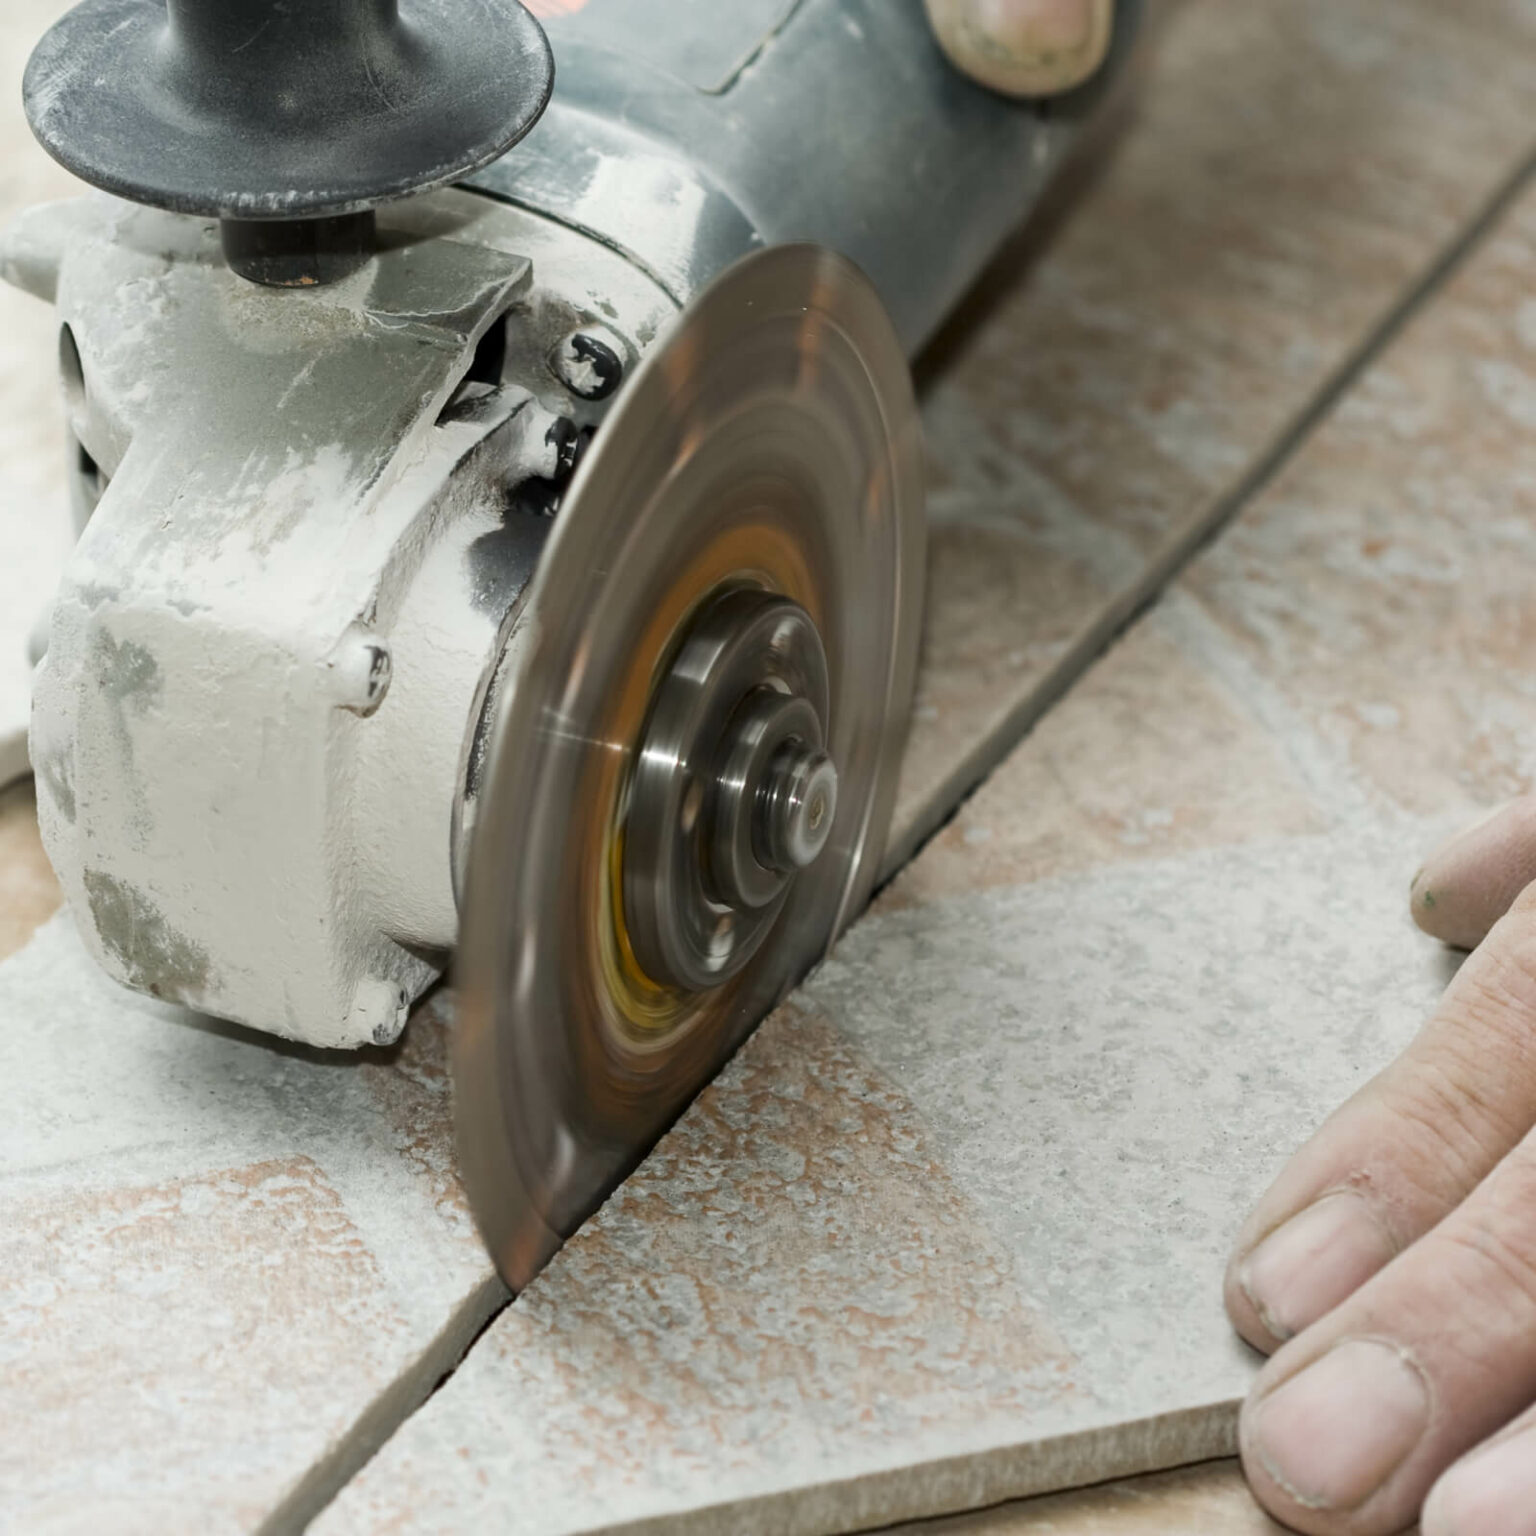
(694,765)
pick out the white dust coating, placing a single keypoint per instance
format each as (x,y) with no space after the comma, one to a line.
(1104,1071)
(265,661)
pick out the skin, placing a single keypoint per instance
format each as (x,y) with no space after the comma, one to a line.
(1024,47)
(1390,1272)
(1391,1268)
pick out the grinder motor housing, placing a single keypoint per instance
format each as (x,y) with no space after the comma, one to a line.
(319,442)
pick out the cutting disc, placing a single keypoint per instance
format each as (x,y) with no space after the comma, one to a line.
(740,554)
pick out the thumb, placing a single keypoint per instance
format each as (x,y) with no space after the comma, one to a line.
(1024,47)
(1469,883)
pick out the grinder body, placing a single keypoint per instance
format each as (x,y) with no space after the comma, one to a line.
(685,132)
(308,520)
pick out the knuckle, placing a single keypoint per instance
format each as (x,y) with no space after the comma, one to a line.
(1499,984)
(1453,1128)
(1493,1254)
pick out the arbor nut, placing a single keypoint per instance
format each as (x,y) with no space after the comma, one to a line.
(796,807)
(589,362)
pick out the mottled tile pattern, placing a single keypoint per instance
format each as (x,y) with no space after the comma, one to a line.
(1190,768)
(948,1230)
(1289,170)
(188,1306)
(1410,653)
(218,1256)
(1004,610)
(1357,647)
(822,1244)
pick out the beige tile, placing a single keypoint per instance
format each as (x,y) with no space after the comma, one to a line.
(911,1254)
(1231,251)
(1357,644)
(1382,586)
(1003,611)
(1139,761)
(188,1305)
(822,1244)
(1289,170)
(228,1267)
(949,1229)
(29,893)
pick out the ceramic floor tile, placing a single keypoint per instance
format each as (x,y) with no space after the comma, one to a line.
(950,1229)
(1210,1500)
(1358,642)
(1144,758)
(1408,652)
(224,1264)
(875,1240)
(1287,172)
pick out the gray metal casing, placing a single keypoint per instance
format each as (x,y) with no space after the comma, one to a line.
(684,132)
(255,729)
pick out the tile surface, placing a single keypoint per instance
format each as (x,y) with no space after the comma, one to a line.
(1288,172)
(1137,968)
(1087,1079)
(911,1254)
(216,1256)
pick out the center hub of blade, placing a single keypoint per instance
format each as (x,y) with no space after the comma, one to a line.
(733,793)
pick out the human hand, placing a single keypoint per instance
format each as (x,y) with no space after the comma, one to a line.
(1024,47)
(1397,1252)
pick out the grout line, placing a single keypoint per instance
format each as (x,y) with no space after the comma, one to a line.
(361,1441)
(944,802)
(444,1355)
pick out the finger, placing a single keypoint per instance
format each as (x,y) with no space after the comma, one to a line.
(1349,1425)
(1491,1491)
(1469,883)
(1407,1149)
(1024,47)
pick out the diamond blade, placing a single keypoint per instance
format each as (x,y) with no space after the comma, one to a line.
(769,444)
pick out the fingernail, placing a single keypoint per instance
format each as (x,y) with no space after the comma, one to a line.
(1493,1489)
(1306,1267)
(1028,30)
(1332,1435)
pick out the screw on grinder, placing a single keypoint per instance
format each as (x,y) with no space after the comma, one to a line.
(289,122)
